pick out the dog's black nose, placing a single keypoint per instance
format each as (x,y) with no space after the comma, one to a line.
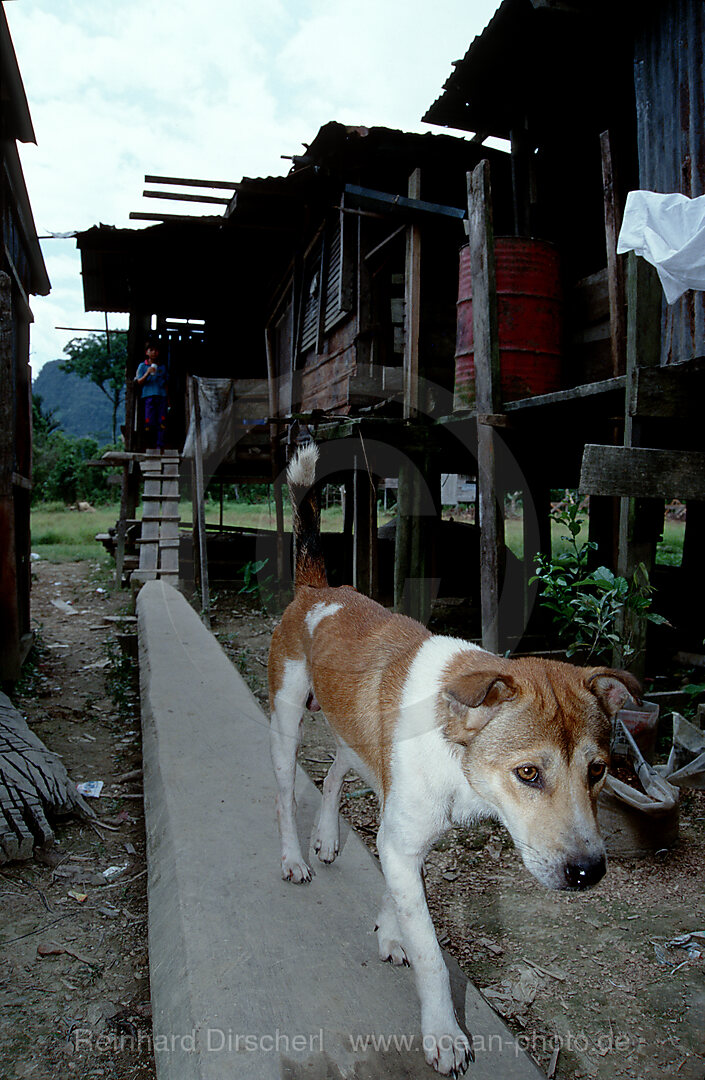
(585,874)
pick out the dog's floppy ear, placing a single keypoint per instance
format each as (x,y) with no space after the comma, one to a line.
(470,701)
(613,688)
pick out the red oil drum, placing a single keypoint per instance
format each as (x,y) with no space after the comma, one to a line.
(529,318)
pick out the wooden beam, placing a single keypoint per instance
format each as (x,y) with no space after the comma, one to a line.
(179,197)
(400,202)
(275,452)
(412,307)
(642,473)
(615,262)
(521,160)
(200,504)
(488,395)
(135,216)
(640,519)
(669,392)
(226,184)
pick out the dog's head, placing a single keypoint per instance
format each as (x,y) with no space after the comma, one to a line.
(535,738)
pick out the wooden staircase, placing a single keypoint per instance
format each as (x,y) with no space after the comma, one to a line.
(159,542)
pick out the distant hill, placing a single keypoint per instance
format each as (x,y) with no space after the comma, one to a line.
(81,408)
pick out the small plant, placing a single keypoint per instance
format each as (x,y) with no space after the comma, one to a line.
(695,695)
(588,607)
(253,585)
(121,679)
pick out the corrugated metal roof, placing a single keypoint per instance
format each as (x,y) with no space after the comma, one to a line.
(17,122)
(558,58)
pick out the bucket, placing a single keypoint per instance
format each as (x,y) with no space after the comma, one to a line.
(529,321)
(642,723)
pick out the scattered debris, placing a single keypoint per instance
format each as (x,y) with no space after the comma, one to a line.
(97,665)
(64,607)
(90,788)
(112,871)
(60,950)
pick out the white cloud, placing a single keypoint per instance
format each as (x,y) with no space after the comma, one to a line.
(219,89)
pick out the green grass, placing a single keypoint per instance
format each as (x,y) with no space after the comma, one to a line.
(670,550)
(668,553)
(62,535)
(514,536)
(262,516)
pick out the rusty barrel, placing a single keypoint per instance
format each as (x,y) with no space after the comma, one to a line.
(529,318)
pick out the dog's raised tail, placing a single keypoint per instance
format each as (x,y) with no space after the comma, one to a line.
(306,518)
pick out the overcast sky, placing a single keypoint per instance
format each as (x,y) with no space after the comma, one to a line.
(218,89)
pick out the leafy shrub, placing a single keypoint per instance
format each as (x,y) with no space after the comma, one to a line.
(588,608)
(61,472)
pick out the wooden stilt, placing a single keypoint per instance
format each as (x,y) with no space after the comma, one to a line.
(615,262)
(488,395)
(402,541)
(200,505)
(412,306)
(640,520)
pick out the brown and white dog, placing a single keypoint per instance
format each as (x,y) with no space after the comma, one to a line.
(445,733)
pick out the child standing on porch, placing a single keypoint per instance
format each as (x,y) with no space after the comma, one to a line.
(152,378)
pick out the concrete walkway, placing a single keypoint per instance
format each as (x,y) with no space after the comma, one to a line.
(253,977)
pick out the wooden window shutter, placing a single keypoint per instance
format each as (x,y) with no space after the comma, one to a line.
(311,300)
(338,296)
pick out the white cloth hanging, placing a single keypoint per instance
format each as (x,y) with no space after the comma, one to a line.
(669,232)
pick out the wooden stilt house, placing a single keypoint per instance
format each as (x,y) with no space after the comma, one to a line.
(594,101)
(22,274)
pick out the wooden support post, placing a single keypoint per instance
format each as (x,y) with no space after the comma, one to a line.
(275,454)
(402,540)
(137,334)
(693,566)
(361,530)
(536,529)
(200,505)
(366,341)
(122,525)
(365,529)
(615,262)
(488,395)
(521,187)
(348,526)
(640,520)
(412,306)
(418,510)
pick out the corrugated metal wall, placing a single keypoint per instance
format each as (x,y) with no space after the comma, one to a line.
(670,98)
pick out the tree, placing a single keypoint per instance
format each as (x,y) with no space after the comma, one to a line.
(43,421)
(90,358)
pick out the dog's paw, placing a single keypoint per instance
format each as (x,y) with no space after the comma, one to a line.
(327,848)
(448,1053)
(296,870)
(391,951)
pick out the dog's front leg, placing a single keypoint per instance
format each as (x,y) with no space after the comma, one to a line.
(445,1046)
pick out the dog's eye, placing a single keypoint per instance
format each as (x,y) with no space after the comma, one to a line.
(528,774)
(596,771)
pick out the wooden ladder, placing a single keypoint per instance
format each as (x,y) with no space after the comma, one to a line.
(159,542)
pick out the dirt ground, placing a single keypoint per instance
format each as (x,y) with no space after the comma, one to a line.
(589,982)
(84,1011)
